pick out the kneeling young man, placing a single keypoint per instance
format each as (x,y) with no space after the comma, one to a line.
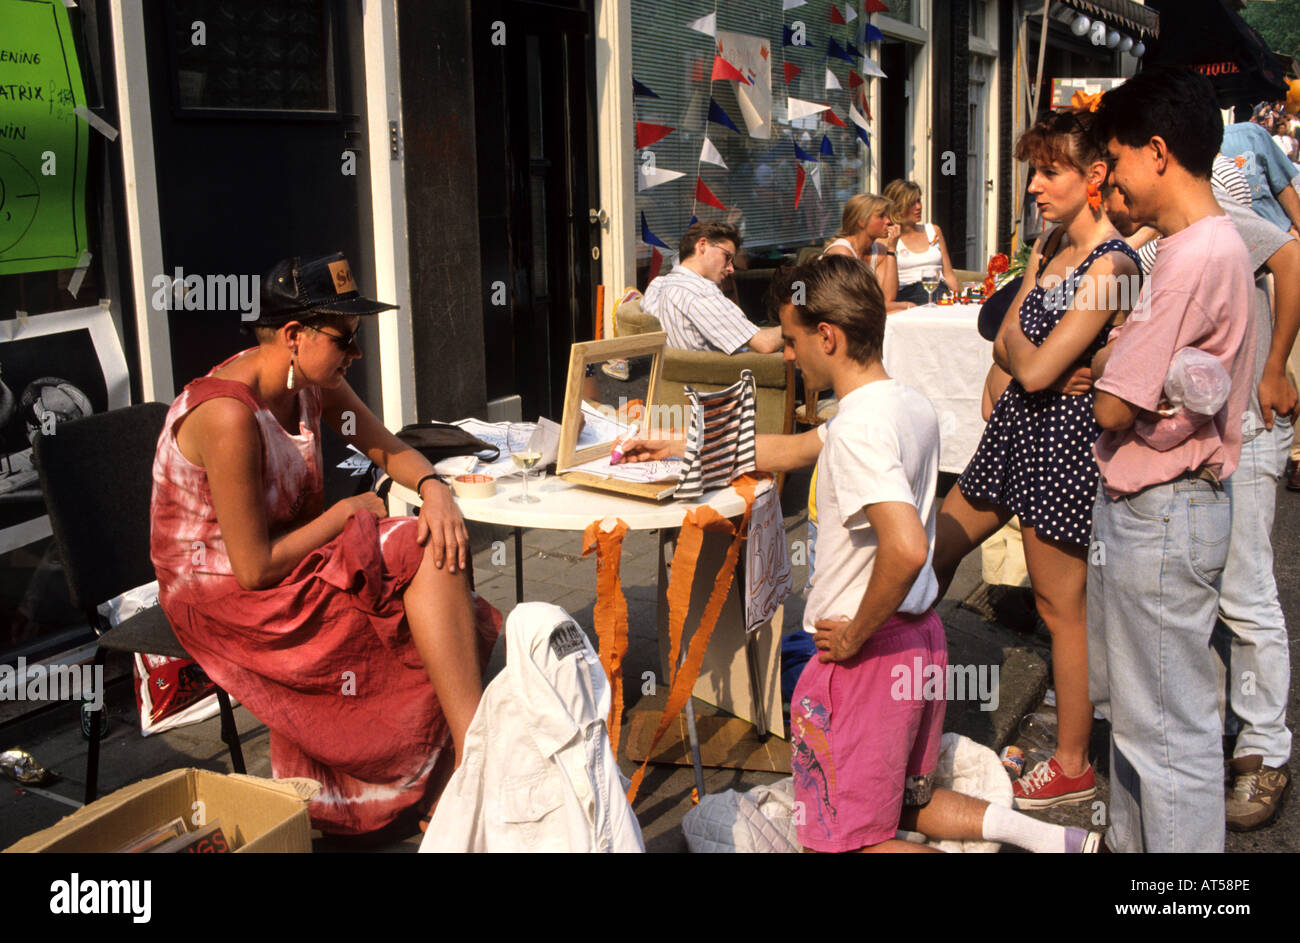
(864,760)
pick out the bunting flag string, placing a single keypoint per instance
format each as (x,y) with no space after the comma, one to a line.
(647,134)
(849,13)
(648,175)
(860,125)
(718,116)
(641,90)
(832,81)
(650,238)
(704,195)
(792,4)
(656,263)
(835,50)
(830,117)
(797,108)
(825,151)
(870,68)
(799,178)
(815,175)
(871,34)
(874,6)
(722,69)
(801,154)
(852,50)
(836,16)
(791,70)
(710,155)
(855,80)
(708,25)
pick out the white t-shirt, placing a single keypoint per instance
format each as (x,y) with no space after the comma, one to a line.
(882,446)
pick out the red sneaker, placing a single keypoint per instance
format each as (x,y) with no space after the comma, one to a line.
(1047,785)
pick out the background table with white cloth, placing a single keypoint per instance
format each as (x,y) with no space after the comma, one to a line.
(937,350)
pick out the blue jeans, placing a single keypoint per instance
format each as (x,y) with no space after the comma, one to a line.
(1252,628)
(1153,568)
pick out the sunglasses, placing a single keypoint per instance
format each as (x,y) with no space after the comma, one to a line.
(343,342)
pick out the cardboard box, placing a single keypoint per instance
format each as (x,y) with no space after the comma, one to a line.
(257,815)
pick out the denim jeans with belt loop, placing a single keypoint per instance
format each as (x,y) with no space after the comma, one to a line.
(1153,568)
(1251,635)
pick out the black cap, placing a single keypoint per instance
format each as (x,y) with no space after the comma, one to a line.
(293,289)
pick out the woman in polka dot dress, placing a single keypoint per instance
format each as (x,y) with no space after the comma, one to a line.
(1035,459)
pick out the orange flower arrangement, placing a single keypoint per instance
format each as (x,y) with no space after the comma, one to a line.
(997,265)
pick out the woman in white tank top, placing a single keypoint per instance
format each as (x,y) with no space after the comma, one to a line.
(921,246)
(866,234)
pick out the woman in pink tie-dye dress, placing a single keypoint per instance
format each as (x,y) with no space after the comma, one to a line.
(353,636)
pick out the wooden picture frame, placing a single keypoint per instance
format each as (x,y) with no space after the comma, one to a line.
(587,353)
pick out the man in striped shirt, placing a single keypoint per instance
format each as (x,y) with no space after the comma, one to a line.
(690,304)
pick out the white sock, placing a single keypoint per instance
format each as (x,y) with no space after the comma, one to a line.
(1016,828)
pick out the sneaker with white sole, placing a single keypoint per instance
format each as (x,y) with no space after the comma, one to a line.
(1047,785)
(1257,793)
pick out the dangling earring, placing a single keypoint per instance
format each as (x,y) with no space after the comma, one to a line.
(289,384)
(1094,197)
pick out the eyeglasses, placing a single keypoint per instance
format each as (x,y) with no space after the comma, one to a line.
(731,256)
(343,342)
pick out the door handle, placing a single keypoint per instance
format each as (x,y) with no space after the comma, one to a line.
(598,216)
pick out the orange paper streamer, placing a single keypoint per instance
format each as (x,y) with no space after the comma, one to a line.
(610,615)
(685,559)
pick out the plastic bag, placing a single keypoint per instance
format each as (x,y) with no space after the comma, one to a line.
(1196,382)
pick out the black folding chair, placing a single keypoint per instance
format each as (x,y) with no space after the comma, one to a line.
(97,476)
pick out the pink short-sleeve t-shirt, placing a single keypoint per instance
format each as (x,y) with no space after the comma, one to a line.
(1199,295)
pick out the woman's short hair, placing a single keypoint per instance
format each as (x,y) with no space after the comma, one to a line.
(1065,138)
(839,290)
(902,196)
(860,208)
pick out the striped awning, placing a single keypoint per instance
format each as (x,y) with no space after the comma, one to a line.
(1126,13)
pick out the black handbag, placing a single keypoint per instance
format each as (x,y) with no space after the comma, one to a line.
(439,440)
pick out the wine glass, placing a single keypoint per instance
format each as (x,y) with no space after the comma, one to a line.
(519,438)
(930,281)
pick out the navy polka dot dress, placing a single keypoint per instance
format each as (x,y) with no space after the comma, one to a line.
(1035,458)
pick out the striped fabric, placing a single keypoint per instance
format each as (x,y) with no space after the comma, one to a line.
(720,437)
(696,314)
(1226,174)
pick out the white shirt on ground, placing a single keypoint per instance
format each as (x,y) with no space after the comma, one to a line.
(882,446)
(695,313)
(538,773)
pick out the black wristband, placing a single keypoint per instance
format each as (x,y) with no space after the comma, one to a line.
(434,475)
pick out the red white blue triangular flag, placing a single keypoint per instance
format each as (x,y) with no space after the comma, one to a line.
(799,176)
(859,125)
(650,238)
(709,155)
(831,117)
(836,51)
(849,13)
(836,15)
(724,70)
(874,6)
(872,35)
(708,25)
(797,108)
(791,70)
(801,154)
(832,81)
(641,90)
(656,263)
(825,152)
(647,134)
(718,116)
(871,68)
(704,195)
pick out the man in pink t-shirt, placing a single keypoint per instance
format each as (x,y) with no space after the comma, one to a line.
(1162,520)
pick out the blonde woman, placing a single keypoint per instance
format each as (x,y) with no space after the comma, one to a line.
(867,234)
(921,246)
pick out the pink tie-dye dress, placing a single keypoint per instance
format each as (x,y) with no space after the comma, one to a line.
(325,659)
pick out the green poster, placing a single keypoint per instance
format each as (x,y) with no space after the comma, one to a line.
(43,143)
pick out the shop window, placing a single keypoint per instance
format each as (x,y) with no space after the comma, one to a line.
(758,185)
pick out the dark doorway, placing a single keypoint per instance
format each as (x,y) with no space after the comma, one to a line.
(252,128)
(534,118)
(894,137)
